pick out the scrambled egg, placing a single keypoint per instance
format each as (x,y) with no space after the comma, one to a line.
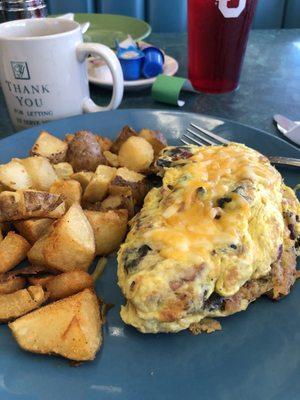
(221,231)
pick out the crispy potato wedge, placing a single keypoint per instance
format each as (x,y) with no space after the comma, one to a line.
(63,170)
(70,327)
(70,190)
(13,250)
(10,283)
(25,204)
(14,305)
(50,147)
(84,152)
(104,142)
(36,253)
(155,138)
(109,228)
(33,229)
(111,159)
(70,244)
(118,202)
(40,171)
(129,183)
(68,283)
(83,177)
(136,154)
(97,189)
(40,280)
(125,133)
(14,176)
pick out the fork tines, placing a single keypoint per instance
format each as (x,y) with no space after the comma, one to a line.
(209,138)
(202,139)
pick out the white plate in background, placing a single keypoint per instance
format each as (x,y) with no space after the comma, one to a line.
(99,74)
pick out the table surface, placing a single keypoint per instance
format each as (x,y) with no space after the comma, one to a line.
(269,83)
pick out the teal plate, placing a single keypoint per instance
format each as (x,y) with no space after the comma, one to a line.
(107,28)
(255,356)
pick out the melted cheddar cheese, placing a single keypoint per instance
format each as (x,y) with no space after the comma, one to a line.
(216,223)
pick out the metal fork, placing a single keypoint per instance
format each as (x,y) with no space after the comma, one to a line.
(209,138)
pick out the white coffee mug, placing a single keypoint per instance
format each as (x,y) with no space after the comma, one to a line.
(43,70)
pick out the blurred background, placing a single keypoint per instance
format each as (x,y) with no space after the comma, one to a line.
(170,15)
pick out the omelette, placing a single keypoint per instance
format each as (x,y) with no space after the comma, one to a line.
(221,231)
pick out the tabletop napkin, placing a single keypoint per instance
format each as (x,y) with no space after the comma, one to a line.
(167,89)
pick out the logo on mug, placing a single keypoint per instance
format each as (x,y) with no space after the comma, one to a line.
(20,70)
(231,12)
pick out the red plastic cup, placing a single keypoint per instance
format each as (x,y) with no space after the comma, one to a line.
(217,39)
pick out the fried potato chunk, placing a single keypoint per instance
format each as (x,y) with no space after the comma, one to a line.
(109,228)
(69,245)
(14,176)
(111,158)
(155,138)
(83,177)
(126,133)
(33,229)
(63,170)
(36,253)
(70,190)
(129,183)
(50,147)
(97,189)
(13,250)
(118,202)
(136,154)
(14,305)
(25,204)
(10,283)
(84,152)
(70,328)
(40,171)
(68,283)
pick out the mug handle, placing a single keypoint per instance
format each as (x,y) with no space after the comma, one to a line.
(82,51)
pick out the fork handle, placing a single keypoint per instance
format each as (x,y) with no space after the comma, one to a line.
(294,162)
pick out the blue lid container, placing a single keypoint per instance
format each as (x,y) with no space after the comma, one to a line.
(153,64)
(131,61)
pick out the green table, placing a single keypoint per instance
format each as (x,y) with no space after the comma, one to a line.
(269,83)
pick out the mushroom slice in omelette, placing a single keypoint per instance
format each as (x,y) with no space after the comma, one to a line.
(221,231)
